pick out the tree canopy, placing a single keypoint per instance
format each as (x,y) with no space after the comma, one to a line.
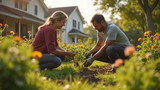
(134,13)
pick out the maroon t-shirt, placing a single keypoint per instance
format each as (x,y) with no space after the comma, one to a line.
(45,40)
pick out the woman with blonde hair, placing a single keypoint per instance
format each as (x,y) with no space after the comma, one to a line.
(46,41)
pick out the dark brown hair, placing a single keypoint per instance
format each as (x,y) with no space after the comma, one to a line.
(98,18)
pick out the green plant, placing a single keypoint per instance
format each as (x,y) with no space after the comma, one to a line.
(15,63)
(149,44)
(135,75)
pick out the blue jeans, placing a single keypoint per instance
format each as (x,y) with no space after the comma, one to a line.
(49,61)
(112,53)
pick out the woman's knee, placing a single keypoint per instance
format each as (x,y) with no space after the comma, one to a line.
(58,61)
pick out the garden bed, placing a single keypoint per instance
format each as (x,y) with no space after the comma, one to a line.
(91,72)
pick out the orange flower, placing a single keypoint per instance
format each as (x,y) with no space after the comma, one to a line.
(144,41)
(146,33)
(12,32)
(68,46)
(139,39)
(32,38)
(25,41)
(81,46)
(29,31)
(6,25)
(129,50)
(68,50)
(79,40)
(17,39)
(58,40)
(118,62)
(1,24)
(156,34)
(154,46)
(156,37)
(36,54)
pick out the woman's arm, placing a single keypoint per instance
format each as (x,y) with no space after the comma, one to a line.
(59,52)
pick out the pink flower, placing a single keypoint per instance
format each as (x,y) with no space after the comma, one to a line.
(118,62)
(129,50)
(148,55)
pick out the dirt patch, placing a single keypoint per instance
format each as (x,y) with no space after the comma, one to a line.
(90,74)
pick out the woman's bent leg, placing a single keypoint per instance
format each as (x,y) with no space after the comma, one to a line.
(49,61)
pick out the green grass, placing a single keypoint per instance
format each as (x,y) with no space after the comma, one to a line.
(68,74)
(66,69)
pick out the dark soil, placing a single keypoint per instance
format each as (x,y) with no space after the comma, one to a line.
(90,74)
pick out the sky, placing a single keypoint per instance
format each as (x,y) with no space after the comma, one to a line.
(85,6)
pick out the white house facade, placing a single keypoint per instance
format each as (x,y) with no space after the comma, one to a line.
(73,30)
(22,15)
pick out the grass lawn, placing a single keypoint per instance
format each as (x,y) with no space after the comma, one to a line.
(67,73)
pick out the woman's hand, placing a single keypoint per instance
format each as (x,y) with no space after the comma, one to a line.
(70,53)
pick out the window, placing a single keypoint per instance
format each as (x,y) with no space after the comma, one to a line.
(35,9)
(21,4)
(24,31)
(74,23)
(25,6)
(16,3)
(78,25)
(72,40)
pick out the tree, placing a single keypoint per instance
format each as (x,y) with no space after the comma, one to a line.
(118,6)
(132,18)
(148,9)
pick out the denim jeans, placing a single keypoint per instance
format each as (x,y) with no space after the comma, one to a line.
(112,53)
(49,61)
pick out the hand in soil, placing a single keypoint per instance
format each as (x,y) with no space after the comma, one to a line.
(88,62)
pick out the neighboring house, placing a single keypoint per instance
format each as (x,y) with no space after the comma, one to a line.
(22,15)
(73,29)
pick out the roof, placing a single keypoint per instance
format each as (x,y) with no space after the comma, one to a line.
(67,10)
(77,32)
(44,5)
(19,13)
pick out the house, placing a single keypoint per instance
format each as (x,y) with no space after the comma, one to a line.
(73,29)
(22,15)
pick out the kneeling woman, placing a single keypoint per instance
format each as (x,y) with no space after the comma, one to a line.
(46,41)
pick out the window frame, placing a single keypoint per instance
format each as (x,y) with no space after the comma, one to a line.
(74,23)
(78,25)
(20,4)
(36,10)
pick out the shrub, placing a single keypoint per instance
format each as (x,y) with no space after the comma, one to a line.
(15,64)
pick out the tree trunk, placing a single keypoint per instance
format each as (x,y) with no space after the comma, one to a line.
(148,13)
(149,21)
